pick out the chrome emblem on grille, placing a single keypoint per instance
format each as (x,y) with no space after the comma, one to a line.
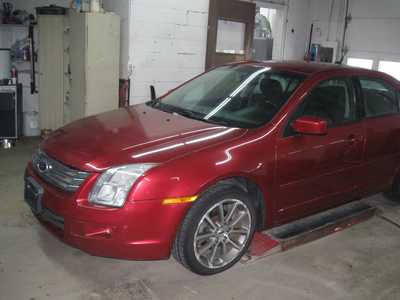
(43,165)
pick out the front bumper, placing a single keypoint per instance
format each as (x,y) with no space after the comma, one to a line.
(140,230)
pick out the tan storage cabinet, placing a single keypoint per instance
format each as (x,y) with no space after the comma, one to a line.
(86,53)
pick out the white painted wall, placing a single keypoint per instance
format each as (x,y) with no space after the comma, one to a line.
(297,29)
(327,26)
(167,44)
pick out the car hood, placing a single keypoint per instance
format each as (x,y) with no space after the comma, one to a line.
(132,135)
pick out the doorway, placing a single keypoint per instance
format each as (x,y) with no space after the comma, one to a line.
(269,25)
(230,32)
(242,30)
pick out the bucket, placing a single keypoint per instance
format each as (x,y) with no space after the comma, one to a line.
(31,123)
(6,144)
(5,64)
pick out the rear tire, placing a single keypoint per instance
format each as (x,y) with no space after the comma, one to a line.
(216,231)
(394,193)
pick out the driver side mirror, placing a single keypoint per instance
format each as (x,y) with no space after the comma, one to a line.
(310,125)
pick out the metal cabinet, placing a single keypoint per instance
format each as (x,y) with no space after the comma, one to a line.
(85,53)
(94,63)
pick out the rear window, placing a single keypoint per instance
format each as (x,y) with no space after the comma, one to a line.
(379,97)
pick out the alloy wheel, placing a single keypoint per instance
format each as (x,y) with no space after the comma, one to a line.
(222,233)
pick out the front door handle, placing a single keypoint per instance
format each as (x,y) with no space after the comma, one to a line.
(354,149)
(353,139)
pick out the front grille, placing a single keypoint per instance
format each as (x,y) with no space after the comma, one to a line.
(56,173)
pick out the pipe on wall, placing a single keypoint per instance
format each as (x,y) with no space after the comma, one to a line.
(345,26)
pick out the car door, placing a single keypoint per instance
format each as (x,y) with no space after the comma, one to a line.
(382,127)
(314,172)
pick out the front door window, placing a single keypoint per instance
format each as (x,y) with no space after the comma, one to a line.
(331,100)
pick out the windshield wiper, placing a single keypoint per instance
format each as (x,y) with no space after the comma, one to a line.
(176,110)
(161,106)
(196,115)
(229,123)
(189,113)
(153,102)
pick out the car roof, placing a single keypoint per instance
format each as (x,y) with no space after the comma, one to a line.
(312,68)
(307,68)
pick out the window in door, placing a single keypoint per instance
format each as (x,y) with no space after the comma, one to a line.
(231,37)
(379,97)
(390,67)
(332,100)
(360,63)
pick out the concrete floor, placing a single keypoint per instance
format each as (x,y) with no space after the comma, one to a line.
(362,262)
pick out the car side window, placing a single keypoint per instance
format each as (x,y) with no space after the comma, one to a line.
(332,100)
(379,97)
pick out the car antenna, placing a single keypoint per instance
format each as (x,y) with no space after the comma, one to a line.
(153,93)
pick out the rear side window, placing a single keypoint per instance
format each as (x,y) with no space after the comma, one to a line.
(379,97)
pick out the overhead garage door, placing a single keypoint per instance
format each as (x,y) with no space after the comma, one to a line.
(373,32)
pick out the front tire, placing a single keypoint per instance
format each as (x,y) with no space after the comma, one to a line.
(216,231)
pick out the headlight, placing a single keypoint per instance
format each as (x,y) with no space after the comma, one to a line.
(113,186)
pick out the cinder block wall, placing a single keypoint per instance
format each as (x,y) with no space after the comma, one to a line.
(167,44)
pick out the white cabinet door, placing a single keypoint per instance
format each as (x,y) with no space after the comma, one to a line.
(51,68)
(102,62)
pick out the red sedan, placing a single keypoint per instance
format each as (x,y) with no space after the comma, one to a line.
(243,147)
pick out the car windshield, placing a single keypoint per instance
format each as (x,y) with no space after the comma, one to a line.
(245,96)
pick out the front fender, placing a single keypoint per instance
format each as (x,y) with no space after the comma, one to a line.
(194,173)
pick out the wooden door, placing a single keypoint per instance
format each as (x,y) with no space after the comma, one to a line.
(230,31)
